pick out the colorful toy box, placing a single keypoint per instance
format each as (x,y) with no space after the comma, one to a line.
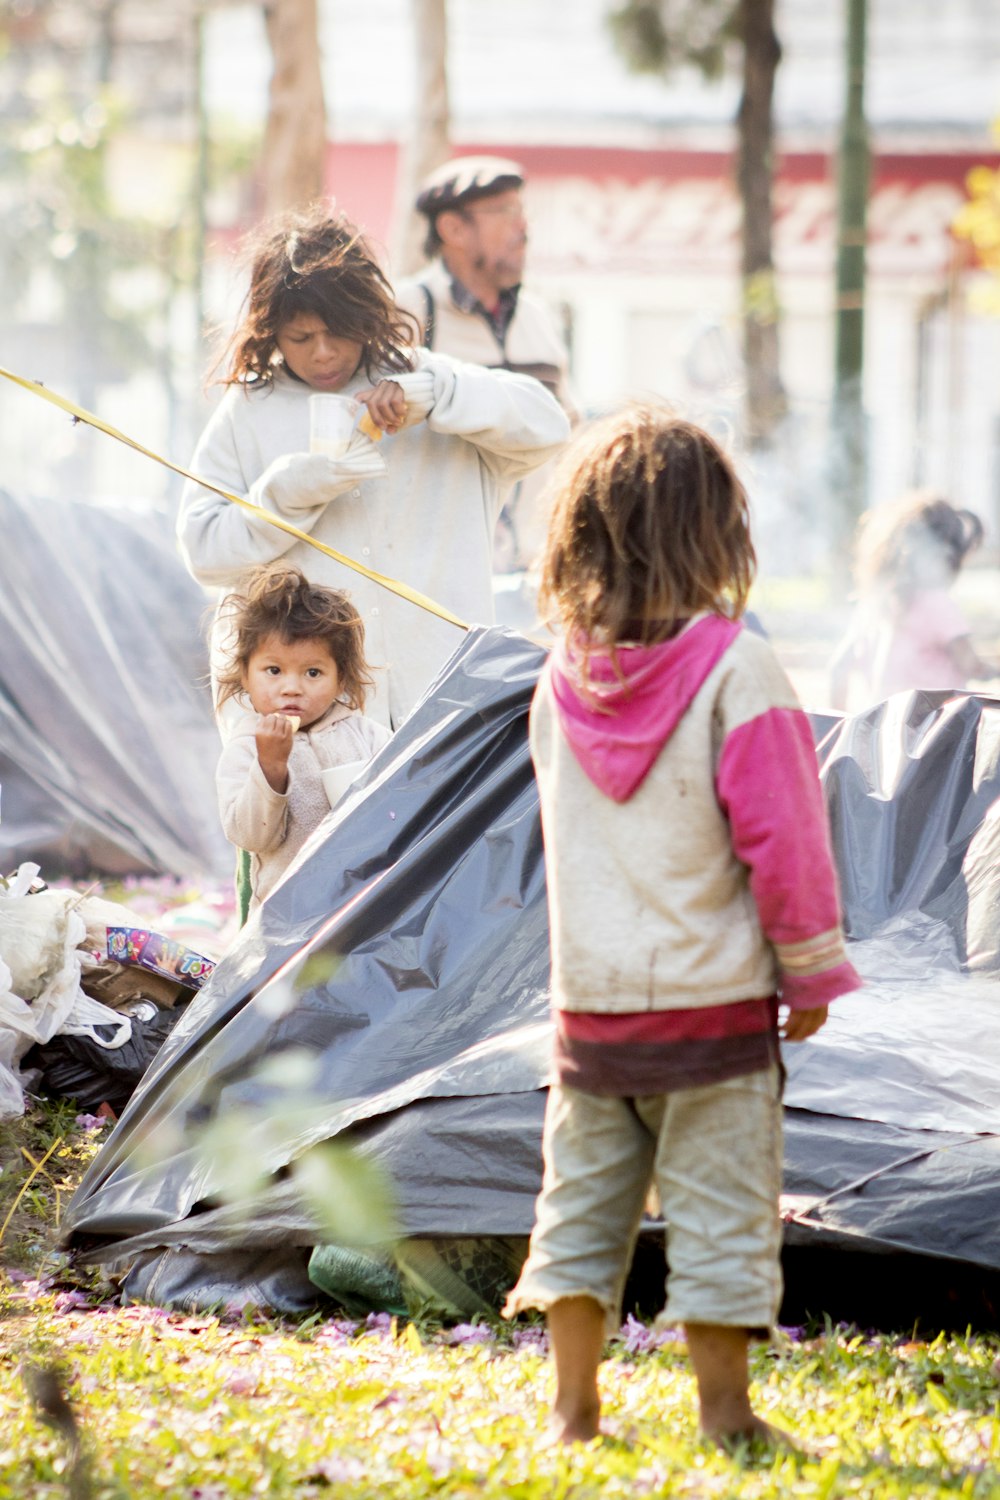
(159,954)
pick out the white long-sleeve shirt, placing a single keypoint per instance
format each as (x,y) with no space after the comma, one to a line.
(428,521)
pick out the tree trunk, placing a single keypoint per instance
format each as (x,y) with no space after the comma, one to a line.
(293,158)
(426,145)
(765,396)
(848,460)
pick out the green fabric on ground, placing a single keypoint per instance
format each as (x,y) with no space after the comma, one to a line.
(460,1277)
(456,1278)
(361,1283)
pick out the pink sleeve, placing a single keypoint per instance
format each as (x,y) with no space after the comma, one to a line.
(768,787)
(936,619)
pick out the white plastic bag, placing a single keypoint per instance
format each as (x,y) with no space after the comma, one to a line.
(11,1093)
(88,1013)
(33,939)
(40,992)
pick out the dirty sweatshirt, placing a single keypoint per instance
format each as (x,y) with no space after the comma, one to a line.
(690,879)
(272,825)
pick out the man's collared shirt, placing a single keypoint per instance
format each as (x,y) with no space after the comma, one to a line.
(499,319)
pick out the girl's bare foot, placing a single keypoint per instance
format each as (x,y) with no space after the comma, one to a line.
(577,1427)
(753,1436)
(576,1329)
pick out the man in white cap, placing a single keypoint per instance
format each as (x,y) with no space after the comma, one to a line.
(469,303)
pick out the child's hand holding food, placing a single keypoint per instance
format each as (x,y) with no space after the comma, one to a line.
(274,736)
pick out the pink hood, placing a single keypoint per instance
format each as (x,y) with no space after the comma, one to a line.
(617,742)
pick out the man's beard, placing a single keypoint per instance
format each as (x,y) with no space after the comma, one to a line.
(503,273)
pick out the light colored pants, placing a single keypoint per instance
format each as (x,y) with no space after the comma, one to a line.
(714,1155)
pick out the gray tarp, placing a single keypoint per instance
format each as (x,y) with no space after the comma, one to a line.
(107,742)
(429,1041)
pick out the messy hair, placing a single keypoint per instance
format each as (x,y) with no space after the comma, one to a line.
(920,541)
(279,600)
(650,524)
(315,261)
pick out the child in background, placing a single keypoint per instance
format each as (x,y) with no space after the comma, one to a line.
(297,660)
(907,630)
(691,892)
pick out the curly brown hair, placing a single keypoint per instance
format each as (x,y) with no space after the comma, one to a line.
(315,261)
(919,541)
(650,524)
(278,600)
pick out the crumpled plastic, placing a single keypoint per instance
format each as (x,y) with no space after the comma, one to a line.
(107,738)
(40,990)
(85,1068)
(405,957)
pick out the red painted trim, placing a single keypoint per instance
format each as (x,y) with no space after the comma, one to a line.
(634,164)
(362,175)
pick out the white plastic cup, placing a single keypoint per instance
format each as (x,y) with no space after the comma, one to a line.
(339,779)
(331,422)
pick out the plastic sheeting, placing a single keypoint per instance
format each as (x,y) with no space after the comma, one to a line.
(107,742)
(429,881)
(912,790)
(427,1045)
(892,1127)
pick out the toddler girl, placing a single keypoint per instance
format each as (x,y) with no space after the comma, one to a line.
(691,891)
(907,630)
(297,660)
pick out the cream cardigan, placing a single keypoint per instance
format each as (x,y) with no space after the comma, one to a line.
(273,826)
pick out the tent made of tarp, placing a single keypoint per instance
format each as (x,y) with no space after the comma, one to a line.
(393,992)
(107,739)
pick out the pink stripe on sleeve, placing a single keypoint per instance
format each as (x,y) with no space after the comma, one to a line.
(768,786)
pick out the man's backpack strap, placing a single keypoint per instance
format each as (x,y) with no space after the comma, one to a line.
(428,315)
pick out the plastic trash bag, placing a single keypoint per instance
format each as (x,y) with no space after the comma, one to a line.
(87,1068)
(37,953)
(11,1094)
(34,929)
(40,989)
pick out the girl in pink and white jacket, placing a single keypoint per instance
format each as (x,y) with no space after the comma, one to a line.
(692,899)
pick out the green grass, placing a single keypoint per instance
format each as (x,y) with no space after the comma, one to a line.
(100,1402)
(42,1157)
(170,1405)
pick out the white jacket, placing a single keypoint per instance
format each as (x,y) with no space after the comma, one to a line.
(709,880)
(419,507)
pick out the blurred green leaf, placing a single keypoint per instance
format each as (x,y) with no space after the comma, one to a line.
(349,1195)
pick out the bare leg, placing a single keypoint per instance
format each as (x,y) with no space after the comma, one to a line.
(576,1332)
(719,1357)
